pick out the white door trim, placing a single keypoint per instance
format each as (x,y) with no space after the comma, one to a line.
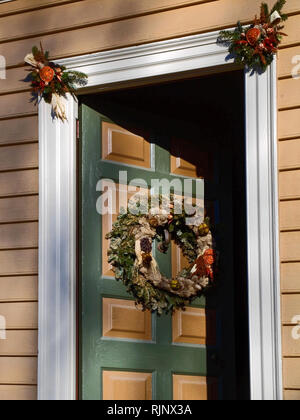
(57,237)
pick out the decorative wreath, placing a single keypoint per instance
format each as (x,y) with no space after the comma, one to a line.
(256,45)
(131,255)
(52,81)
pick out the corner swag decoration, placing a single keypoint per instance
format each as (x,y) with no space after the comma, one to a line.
(51,81)
(131,255)
(256,45)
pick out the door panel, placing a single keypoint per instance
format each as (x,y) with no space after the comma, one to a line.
(194,326)
(126,353)
(194,388)
(120,145)
(122,319)
(118,385)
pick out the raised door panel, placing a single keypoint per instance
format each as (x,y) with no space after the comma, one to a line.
(187,387)
(194,326)
(185,162)
(127,385)
(180,166)
(122,319)
(119,145)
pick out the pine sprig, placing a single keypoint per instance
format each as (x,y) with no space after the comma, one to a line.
(255,46)
(49,78)
(278,6)
(264,12)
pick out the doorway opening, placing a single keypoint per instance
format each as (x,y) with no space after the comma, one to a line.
(195,128)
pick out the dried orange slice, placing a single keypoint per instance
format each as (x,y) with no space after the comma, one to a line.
(253,35)
(47,74)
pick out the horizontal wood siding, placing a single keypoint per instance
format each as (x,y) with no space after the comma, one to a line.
(75,27)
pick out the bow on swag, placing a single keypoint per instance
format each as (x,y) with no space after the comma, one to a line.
(256,45)
(52,81)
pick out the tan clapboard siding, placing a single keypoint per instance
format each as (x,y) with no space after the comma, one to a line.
(291,369)
(289,184)
(19,235)
(290,246)
(291,347)
(292,28)
(290,308)
(18,209)
(19,6)
(291,395)
(285,64)
(15,81)
(288,93)
(18,370)
(289,154)
(18,183)
(19,157)
(292,6)
(92,12)
(169,24)
(289,123)
(19,130)
(17,104)
(290,277)
(18,262)
(20,315)
(89,12)
(290,215)
(20,288)
(19,343)
(18,392)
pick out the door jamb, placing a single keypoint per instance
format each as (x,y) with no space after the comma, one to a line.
(57,209)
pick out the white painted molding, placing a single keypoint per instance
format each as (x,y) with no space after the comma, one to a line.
(149,60)
(263,231)
(57,255)
(57,243)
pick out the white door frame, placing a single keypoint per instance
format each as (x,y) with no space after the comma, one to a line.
(57,229)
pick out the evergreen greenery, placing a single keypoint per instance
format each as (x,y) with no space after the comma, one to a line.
(122,256)
(257,55)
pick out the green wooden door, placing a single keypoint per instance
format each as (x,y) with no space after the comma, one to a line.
(128,354)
